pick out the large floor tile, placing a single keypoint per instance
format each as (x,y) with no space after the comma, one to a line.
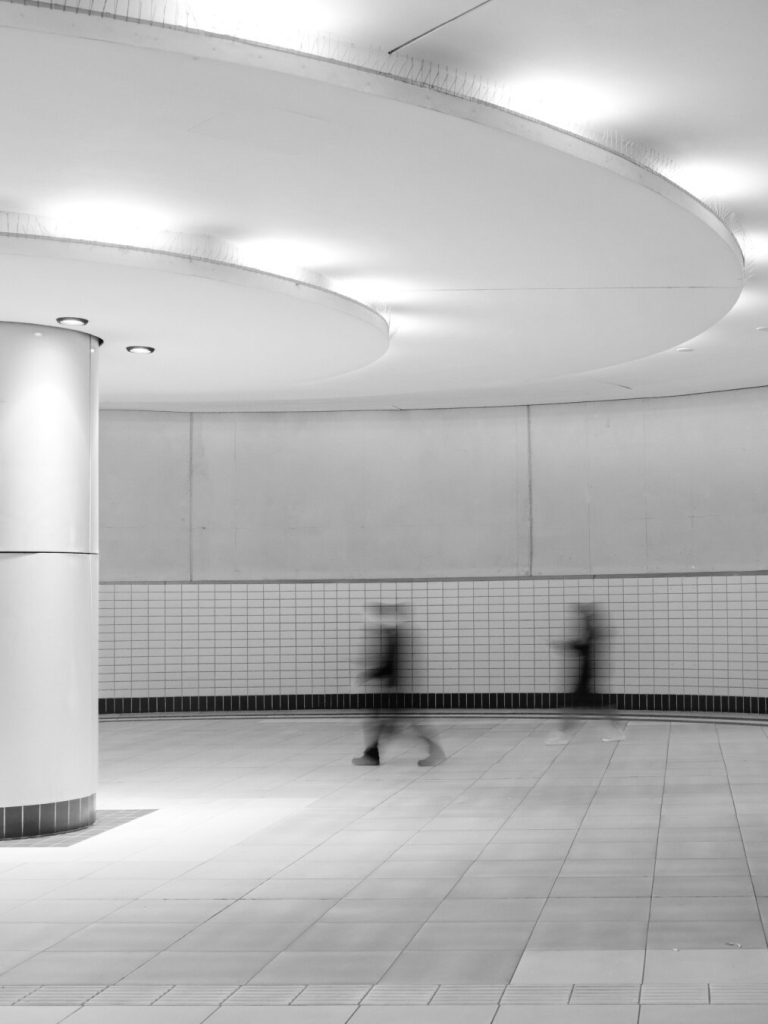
(567,1015)
(354,910)
(34,1014)
(329,968)
(195,968)
(474,935)
(704,908)
(281,1015)
(737,1014)
(104,937)
(360,936)
(224,934)
(596,908)
(733,966)
(424,1015)
(520,909)
(139,1015)
(583,935)
(702,934)
(452,967)
(92,968)
(601,967)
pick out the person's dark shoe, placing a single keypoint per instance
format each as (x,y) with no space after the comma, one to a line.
(435,756)
(369,757)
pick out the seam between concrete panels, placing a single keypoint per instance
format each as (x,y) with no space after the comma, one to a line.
(191,469)
(529,441)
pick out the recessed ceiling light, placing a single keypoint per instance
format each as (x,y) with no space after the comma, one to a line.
(39,334)
(761,328)
(71,321)
(140,350)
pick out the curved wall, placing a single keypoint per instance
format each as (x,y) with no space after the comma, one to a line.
(668,485)
(240,550)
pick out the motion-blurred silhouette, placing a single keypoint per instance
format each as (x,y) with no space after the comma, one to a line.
(385,674)
(583,646)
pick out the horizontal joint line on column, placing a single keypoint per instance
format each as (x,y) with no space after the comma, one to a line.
(26,552)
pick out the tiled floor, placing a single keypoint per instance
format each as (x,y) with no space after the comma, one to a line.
(600,880)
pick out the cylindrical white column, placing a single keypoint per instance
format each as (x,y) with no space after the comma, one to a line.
(48,579)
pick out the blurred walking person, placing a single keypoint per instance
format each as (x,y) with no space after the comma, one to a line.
(583,647)
(385,674)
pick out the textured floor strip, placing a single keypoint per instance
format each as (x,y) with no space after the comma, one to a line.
(600,994)
(739,994)
(10,994)
(61,995)
(534,994)
(674,994)
(469,995)
(264,995)
(400,995)
(196,995)
(383,995)
(332,995)
(130,995)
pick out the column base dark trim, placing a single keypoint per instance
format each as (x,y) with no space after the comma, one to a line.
(717,703)
(44,819)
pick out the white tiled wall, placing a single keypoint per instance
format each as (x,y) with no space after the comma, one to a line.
(666,634)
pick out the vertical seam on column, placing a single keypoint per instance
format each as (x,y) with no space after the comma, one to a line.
(93,541)
(530,489)
(191,496)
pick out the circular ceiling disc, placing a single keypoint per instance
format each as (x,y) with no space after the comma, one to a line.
(509,252)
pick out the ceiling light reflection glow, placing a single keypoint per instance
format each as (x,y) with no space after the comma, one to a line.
(563,102)
(262,20)
(712,180)
(116,223)
(285,256)
(370,290)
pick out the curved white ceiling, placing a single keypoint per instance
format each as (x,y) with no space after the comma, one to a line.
(519,262)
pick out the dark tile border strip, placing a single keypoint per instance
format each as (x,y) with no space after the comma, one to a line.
(105,821)
(28,820)
(716,703)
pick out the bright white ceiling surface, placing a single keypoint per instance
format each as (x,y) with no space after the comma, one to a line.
(519,263)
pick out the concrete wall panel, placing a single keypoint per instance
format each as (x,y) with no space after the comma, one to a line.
(145,496)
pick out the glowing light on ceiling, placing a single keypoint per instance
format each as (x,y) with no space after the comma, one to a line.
(289,257)
(262,20)
(370,290)
(757,246)
(109,221)
(712,180)
(563,102)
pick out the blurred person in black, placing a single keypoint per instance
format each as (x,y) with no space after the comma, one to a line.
(583,646)
(385,674)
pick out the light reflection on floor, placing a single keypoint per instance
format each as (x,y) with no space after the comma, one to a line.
(596,880)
